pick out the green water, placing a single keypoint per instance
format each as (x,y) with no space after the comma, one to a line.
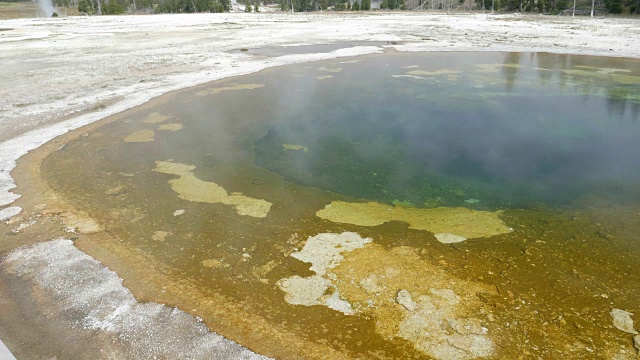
(520,132)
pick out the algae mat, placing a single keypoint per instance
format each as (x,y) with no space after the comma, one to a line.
(457,221)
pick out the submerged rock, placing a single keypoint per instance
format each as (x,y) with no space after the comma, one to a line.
(434,328)
(334,302)
(370,284)
(432,203)
(622,321)
(304,291)
(449,238)
(404,298)
(117,190)
(160,235)
(636,342)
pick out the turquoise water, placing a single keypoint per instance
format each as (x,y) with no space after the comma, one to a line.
(482,130)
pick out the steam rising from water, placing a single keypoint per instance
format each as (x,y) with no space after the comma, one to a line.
(45,7)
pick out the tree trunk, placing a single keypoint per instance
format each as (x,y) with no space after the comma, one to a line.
(99,8)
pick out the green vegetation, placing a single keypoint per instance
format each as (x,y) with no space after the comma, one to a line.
(392,4)
(317,5)
(189,6)
(564,7)
(583,7)
(114,7)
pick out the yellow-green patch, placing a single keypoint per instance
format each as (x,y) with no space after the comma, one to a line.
(295,147)
(602,70)
(140,136)
(442,220)
(235,87)
(331,69)
(171,127)
(155,118)
(191,188)
(493,68)
(433,73)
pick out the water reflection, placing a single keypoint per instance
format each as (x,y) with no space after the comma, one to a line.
(511,130)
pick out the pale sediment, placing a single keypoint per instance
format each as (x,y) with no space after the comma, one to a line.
(323,252)
(414,299)
(435,311)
